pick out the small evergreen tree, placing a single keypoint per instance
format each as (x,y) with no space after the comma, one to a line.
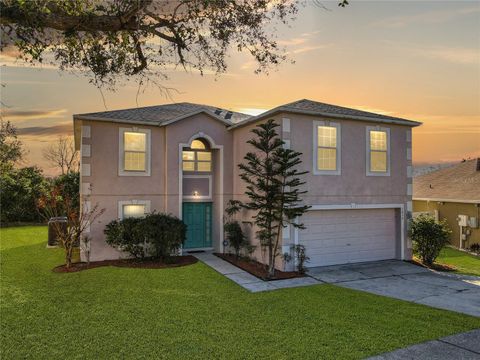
(273,183)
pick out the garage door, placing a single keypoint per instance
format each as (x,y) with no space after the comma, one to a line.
(347,236)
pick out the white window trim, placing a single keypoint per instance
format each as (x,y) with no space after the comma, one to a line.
(132,202)
(316,171)
(201,197)
(367,151)
(121,152)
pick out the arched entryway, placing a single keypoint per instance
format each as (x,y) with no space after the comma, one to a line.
(200,174)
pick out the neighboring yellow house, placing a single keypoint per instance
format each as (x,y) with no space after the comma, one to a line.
(453,194)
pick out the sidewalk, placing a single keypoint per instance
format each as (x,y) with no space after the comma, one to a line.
(460,346)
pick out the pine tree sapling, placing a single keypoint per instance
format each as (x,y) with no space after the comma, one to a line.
(272,179)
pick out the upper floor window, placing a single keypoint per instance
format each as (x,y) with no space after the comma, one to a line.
(327,157)
(134,152)
(378,151)
(197,158)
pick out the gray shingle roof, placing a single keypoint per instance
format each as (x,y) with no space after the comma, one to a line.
(160,114)
(310,107)
(457,182)
(315,106)
(164,114)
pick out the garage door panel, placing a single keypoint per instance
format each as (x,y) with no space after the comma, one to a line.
(318,235)
(343,242)
(344,236)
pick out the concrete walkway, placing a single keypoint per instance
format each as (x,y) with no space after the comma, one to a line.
(460,346)
(247,280)
(405,281)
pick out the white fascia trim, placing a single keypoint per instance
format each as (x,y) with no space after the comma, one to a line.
(316,171)
(367,151)
(448,200)
(121,203)
(203,197)
(354,206)
(121,152)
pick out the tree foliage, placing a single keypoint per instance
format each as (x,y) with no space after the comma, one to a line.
(20,189)
(11,149)
(112,38)
(273,188)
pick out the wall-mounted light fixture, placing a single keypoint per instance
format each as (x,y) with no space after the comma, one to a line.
(195,193)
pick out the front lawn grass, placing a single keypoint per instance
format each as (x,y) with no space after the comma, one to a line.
(463,262)
(191,312)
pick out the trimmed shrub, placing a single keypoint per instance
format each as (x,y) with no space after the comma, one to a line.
(235,236)
(429,237)
(127,235)
(156,235)
(164,234)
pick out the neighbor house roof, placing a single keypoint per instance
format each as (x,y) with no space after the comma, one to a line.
(458,183)
(163,114)
(309,107)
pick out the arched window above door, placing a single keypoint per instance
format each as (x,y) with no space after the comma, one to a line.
(197,158)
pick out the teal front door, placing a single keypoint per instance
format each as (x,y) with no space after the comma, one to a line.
(198,218)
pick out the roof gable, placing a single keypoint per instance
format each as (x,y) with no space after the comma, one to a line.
(161,115)
(310,107)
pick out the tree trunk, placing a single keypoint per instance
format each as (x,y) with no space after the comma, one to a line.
(68,257)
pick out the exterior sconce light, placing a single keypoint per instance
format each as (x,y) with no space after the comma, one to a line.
(195,193)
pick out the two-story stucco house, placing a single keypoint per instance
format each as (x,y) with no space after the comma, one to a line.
(182,159)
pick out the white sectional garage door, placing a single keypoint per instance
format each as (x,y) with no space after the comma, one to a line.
(348,236)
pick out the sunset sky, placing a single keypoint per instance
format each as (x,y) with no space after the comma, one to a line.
(412,59)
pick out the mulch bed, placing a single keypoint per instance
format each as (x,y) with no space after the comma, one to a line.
(438,267)
(257,269)
(176,261)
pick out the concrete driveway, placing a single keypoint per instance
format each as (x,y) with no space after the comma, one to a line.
(405,281)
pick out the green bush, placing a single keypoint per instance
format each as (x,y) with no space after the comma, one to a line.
(127,235)
(164,234)
(156,235)
(20,189)
(235,236)
(429,237)
(69,185)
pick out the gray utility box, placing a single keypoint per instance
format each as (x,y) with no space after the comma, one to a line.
(53,228)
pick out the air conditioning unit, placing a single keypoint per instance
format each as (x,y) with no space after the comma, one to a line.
(473,222)
(462,220)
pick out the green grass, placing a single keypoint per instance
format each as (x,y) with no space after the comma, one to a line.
(191,312)
(463,262)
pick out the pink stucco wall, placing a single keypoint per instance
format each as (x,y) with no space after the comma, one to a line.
(353,185)
(162,189)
